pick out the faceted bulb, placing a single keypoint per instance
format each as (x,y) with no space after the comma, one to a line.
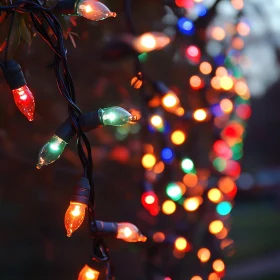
(51,151)
(88,273)
(74,217)
(94,10)
(115,116)
(130,233)
(25,101)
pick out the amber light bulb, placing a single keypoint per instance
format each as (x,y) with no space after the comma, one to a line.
(88,273)
(170,102)
(130,233)
(74,217)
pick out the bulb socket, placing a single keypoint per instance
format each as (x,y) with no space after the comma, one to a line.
(82,191)
(67,7)
(104,228)
(13,74)
(88,121)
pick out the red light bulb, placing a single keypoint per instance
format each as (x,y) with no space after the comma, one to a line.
(150,202)
(193,53)
(25,101)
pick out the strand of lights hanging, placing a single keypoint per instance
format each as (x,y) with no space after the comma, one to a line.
(228,111)
(82,200)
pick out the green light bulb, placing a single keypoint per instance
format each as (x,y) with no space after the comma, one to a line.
(174,191)
(115,116)
(51,151)
(187,165)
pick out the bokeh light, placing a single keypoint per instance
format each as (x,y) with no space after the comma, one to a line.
(204,255)
(158,237)
(190,180)
(148,160)
(224,208)
(178,137)
(200,115)
(218,265)
(191,204)
(205,68)
(168,207)
(215,195)
(216,226)
(187,165)
(174,191)
(181,243)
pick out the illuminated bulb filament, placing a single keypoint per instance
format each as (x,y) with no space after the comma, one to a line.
(130,233)
(88,273)
(74,217)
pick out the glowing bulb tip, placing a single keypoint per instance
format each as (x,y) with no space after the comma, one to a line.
(38,166)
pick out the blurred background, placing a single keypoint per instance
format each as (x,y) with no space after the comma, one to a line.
(33,242)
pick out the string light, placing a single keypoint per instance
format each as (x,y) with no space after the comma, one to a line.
(23,97)
(218,265)
(181,243)
(178,137)
(191,204)
(196,277)
(151,41)
(205,68)
(88,273)
(148,160)
(89,9)
(187,165)
(204,255)
(168,207)
(174,191)
(200,115)
(216,226)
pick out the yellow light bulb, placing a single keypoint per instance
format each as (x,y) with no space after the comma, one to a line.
(216,226)
(215,195)
(200,115)
(168,207)
(130,233)
(171,102)
(218,265)
(148,160)
(156,121)
(181,243)
(74,217)
(88,273)
(178,137)
(191,204)
(204,255)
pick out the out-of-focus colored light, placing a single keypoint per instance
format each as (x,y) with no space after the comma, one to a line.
(205,68)
(158,237)
(241,88)
(243,111)
(218,265)
(193,53)
(222,234)
(215,195)
(201,10)
(190,180)
(196,277)
(221,149)
(156,121)
(220,164)
(238,43)
(218,33)
(174,191)
(226,83)
(221,72)
(150,41)
(136,82)
(150,201)
(186,26)
(191,204)
(167,154)
(215,83)
(226,184)
(213,276)
(224,208)
(180,111)
(237,4)
(243,28)
(170,102)
(159,167)
(204,255)
(226,105)
(148,161)
(200,115)
(187,165)
(216,226)
(233,168)
(178,137)
(178,254)
(196,82)
(168,207)
(181,243)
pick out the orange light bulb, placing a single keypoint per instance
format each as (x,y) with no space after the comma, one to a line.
(88,273)
(74,217)
(170,102)
(130,233)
